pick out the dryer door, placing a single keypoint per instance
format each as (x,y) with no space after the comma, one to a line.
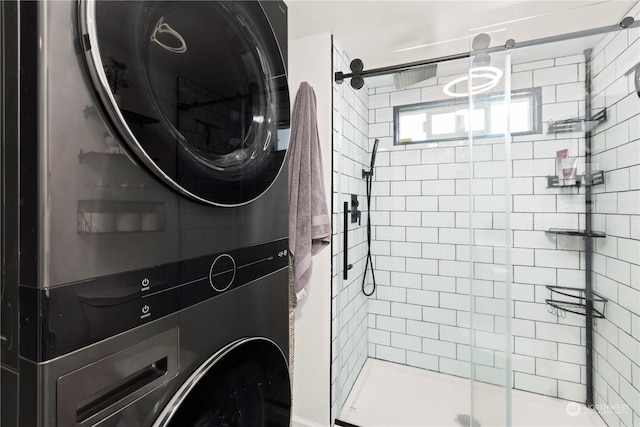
(244,385)
(196,89)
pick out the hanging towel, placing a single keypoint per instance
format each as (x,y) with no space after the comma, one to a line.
(309,221)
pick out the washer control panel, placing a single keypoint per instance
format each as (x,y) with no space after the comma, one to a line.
(81,313)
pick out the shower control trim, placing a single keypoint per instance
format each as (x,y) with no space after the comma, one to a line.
(356,214)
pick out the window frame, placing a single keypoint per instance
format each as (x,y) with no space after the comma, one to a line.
(535,94)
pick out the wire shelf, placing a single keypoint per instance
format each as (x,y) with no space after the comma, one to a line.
(577,124)
(573,232)
(573,300)
(596,178)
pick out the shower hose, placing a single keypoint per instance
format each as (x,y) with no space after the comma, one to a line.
(369,262)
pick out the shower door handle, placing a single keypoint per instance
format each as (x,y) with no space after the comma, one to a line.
(345,242)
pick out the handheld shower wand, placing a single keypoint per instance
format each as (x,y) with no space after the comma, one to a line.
(368,177)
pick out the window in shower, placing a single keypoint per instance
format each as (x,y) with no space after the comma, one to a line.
(451,120)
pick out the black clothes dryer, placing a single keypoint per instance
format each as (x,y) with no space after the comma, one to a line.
(197,89)
(151,282)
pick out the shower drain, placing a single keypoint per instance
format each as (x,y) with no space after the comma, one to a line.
(465,420)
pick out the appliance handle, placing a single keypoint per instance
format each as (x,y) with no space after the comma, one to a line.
(121,389)
(345,241)
(109,381)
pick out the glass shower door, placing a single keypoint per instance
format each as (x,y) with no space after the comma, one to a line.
(488,122)
(349,304)
(563,192)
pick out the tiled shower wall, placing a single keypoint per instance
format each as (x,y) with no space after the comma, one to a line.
(420,313)
(349,304)
(616,149)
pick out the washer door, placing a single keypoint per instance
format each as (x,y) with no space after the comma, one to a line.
(196,89)
(244,385)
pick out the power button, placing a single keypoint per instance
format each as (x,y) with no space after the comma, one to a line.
(146,311)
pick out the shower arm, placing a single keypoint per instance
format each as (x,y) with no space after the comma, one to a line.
(626,23)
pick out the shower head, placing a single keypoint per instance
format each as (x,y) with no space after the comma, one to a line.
(373,154)
(369,173)
(414,75)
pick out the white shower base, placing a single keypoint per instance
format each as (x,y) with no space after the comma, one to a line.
(389,394)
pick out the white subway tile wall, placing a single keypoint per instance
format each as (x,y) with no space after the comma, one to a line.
(616,150)
(549,350)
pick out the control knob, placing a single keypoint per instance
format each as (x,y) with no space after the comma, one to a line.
(222,272)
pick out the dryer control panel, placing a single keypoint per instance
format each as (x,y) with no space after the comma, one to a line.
(66,318)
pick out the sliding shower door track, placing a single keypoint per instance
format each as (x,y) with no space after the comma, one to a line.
(341,423)
(625,24)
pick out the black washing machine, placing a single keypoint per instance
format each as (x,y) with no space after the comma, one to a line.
(144,220)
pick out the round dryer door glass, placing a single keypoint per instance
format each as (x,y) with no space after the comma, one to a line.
(247,385)
(197,90)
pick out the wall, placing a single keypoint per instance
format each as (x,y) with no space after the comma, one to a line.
(616,149)
(349,304)
(310,60)
(420,315)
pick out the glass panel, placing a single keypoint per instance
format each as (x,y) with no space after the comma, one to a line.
(448,119)
(217,131)
(443,123)
(489,253)
(563,232)
(412,127)
(477,120)
(351,155)
(416,323)
(559,232)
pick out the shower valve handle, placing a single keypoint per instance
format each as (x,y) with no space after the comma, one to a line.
(356,214)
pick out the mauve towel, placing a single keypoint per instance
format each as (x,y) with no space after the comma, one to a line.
(309,221)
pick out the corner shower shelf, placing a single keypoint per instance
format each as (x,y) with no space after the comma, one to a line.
(578,124)
(553,181)
(573,232)
(597,178)
(574,300)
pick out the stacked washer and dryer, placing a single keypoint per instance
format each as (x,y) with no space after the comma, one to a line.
(150,213)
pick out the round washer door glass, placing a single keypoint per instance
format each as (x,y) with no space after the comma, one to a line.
(197,90)
(246,385)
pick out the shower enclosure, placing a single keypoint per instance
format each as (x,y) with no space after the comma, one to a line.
(505,229)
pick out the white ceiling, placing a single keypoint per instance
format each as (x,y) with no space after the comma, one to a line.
(389,32)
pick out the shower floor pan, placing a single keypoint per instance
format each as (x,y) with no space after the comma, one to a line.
(389,394)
